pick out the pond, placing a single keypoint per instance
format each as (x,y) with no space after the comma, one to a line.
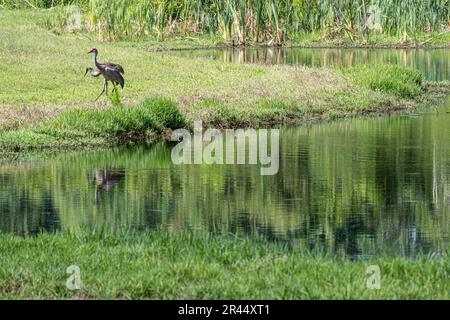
(358,187)
(433,63)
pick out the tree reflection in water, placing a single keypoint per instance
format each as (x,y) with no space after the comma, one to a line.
(355,187)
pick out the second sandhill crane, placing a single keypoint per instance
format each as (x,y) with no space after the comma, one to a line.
(110,72)
(95,73)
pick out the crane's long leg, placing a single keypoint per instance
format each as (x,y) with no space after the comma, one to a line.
(103,91)
(106,86)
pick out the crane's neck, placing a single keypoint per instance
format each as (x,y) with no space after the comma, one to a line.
(95,58)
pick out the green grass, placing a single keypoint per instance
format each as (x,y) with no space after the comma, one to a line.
(153,114)
(400,81)
(98,127)
(45,103)
(158,265)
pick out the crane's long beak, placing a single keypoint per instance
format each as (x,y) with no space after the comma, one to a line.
(87,70)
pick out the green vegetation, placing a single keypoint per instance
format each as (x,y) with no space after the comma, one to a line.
(161,266)
(46,104)
(98,127)
(52,107)
(240,22)
(394,79)
(152,115)
(22,4)
(273,22)
(349,198)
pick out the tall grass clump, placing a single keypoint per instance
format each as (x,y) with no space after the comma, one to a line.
(153,114)
(401,81)
(271,21)
(164,113)
(94,127)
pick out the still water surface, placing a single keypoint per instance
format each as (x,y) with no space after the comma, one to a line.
(357,187)
(433,63)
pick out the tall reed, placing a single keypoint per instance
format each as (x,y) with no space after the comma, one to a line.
(268,21)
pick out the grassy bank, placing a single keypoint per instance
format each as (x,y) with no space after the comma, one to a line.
(45,103)
(157,265)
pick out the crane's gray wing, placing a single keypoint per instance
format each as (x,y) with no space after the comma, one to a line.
(116,67)
(115,76)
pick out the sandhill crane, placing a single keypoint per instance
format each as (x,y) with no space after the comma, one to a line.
(110,72)
(95,73)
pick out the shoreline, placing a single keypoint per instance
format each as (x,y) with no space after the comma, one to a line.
(434,97)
